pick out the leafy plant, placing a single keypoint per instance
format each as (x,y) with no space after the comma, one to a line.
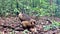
(54,25)
(25,31)
(36,7)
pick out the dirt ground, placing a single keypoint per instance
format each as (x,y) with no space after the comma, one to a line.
(13,24)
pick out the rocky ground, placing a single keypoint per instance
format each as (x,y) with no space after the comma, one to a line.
(13,24)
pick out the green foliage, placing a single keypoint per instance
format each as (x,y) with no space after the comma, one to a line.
(46,28)
(25,31)
(52,26)
(56,23)
(36,7)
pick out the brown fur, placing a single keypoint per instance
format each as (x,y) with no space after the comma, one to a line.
(33,21)
(28,24)
(23,17)
(27,21)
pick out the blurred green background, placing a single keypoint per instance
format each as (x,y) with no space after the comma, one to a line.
(30,7)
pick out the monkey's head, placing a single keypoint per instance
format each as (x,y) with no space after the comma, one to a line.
(20,15)
(27,24)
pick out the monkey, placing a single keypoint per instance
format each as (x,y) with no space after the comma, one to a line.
(26,21)
(28,24)
(23,17)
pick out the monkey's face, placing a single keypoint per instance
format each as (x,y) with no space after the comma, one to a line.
(20,15)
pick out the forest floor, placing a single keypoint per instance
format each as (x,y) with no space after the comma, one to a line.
(11,24)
